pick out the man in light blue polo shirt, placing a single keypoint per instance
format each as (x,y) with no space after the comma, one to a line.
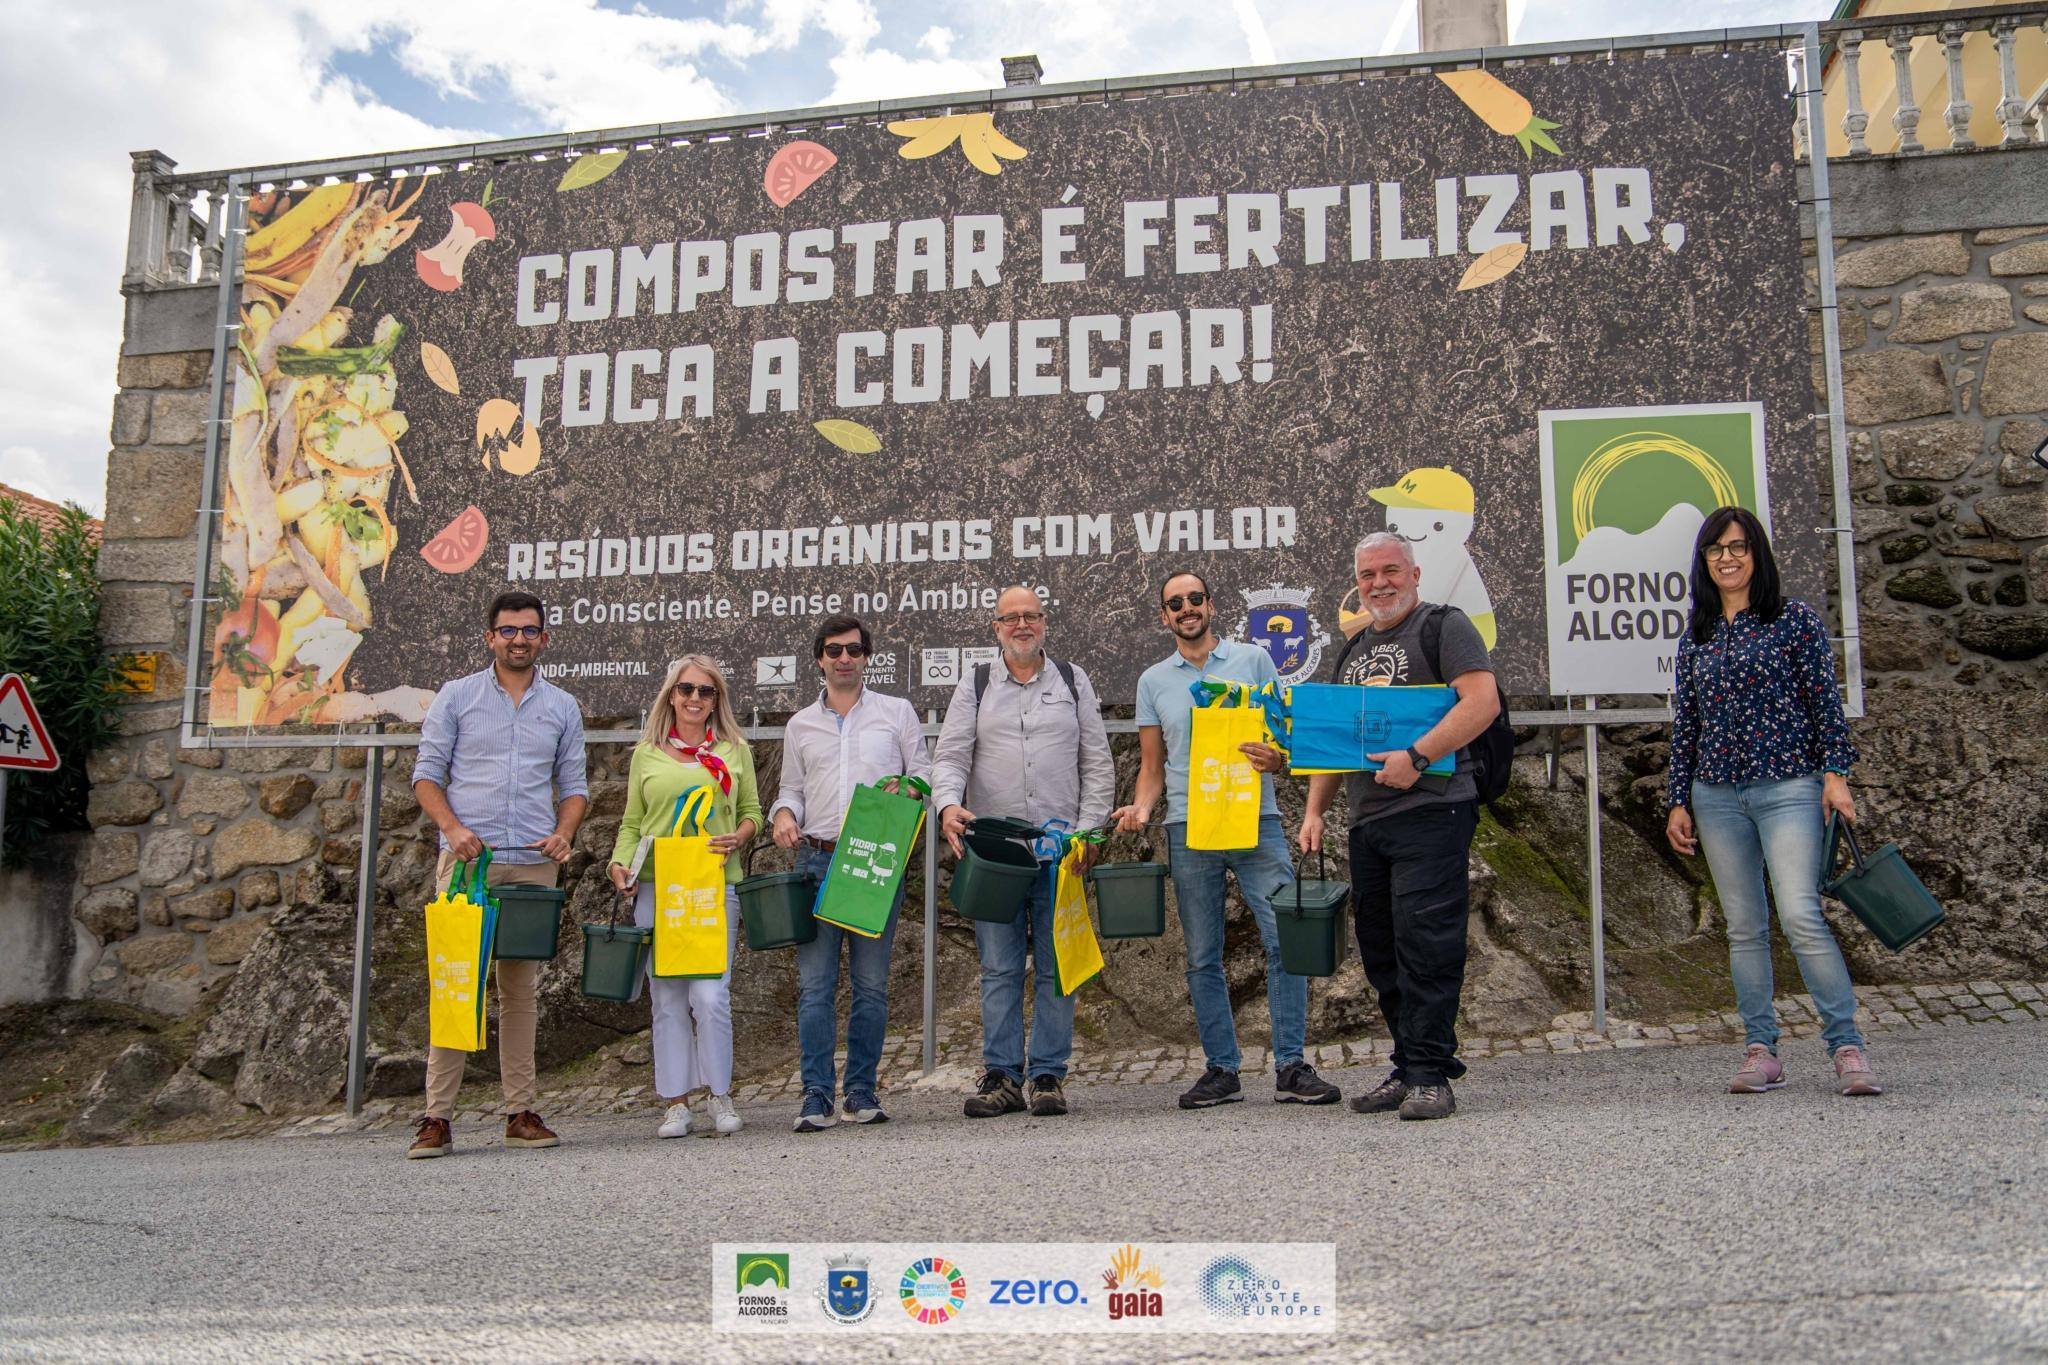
(1165,725)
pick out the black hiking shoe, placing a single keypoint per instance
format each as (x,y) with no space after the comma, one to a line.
(1298,1083)
(1217,1086)
(1048,1096)
(997,1094)
(1429,1102)
(1383,1098)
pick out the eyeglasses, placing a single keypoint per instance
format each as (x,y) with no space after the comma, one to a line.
(1193,599)
(1737,548)
(1021,618)
(851,651)
(519,632)
(708,691)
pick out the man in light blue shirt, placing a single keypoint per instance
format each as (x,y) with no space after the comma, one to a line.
(501,766)
(1166,709)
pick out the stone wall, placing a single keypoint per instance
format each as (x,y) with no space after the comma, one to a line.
(221,881)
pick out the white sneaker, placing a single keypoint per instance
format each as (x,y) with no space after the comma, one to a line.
(723,1120)
(676,1122)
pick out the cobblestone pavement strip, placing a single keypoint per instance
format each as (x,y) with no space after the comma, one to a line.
(1597,1206)
(1882,1011)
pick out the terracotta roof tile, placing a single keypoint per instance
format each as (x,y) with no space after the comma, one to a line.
(42,510)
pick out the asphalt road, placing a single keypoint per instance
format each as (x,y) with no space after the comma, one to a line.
(1611,1206)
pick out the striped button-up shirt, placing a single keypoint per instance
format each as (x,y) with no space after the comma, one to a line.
(505,766)
(1030,750)
(824,757)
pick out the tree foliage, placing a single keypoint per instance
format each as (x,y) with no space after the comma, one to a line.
(50,634)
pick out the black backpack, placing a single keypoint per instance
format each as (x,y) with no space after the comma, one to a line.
(1493,752)
(1066,669)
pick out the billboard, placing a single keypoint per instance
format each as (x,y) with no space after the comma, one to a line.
(695,397)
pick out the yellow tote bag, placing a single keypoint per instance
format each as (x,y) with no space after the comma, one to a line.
(1073,934)
(459,923)
(1223,787)
(689,895)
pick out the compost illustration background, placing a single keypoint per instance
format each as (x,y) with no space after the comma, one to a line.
(403,410)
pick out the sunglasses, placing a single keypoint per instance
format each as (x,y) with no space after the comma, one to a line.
(852,651)
(1738,548)
(708,691)
(518,632)
(1193,599)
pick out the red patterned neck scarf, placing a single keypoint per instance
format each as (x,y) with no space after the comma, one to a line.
(701,753)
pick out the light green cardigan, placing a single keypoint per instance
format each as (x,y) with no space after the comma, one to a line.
(657,778)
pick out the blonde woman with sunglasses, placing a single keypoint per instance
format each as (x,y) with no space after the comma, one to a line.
(692,739)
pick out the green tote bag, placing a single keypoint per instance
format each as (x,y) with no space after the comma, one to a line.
(1880,890)
(872,855)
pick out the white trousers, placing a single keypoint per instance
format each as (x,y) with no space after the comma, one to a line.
(688,1054)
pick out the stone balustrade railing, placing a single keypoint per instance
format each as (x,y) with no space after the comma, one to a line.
(1901,39)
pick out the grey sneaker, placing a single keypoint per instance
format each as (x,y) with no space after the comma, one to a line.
(1048,1096)
(996,1095)
(817,1113)
(1297,1083)
(1760,1072)
(861,1106)
(1429,1102)
(1383,1098)
(1853,1074)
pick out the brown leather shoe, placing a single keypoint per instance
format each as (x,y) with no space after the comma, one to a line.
(431,1137)
(525,1129)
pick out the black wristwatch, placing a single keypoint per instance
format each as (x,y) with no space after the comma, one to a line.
(1418,758)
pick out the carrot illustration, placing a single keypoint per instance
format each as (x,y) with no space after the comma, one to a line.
(1504,111)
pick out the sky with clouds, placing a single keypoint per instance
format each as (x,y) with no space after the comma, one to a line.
(243,82)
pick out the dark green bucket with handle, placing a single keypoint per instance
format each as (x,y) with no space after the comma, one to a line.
(615,954)
(996,872)
(1310,917)
(775,907)
(529,922)
(1880,890)
(1130,898)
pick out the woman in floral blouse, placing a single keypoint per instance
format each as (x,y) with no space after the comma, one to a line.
(1760,754)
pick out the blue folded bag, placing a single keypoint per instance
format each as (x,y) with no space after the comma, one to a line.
(1334,726)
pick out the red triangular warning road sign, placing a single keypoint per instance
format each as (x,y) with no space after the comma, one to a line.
(24,743)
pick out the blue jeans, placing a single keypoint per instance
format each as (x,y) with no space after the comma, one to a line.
(817,1015)
(1198,892)
(1745,828)
(1002,991)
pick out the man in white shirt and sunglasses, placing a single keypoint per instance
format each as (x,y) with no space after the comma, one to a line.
(848,737)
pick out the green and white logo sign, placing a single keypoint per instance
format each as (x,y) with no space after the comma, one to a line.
(1624,493)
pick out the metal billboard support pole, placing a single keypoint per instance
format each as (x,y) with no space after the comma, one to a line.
(1594,896)
(931,935)
(366,904)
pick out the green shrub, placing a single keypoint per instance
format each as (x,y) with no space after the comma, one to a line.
(50,634)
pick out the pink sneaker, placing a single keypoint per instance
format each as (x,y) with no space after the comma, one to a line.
(1760,1072)
(1853,1074)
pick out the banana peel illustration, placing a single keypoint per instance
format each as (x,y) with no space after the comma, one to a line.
(979,141)
(1503,109)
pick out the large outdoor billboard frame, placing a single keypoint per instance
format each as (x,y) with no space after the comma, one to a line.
(1801,44)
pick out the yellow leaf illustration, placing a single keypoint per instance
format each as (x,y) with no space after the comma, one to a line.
(851,437)
(979,141)
(440,369)
(1496,264)
(589,169)
(1503,108)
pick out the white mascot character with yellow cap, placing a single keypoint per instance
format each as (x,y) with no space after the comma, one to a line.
(1432,509)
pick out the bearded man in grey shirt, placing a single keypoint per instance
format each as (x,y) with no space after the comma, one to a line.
(1411,832)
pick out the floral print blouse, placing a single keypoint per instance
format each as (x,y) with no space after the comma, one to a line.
(1756,703)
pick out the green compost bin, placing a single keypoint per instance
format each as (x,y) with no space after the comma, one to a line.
(996,872)
(529,922)
(1310,916)
(1130,899)
(614,959)
(776,907)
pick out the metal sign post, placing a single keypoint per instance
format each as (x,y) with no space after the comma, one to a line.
(366,905)
(1594,898)
(931,930)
